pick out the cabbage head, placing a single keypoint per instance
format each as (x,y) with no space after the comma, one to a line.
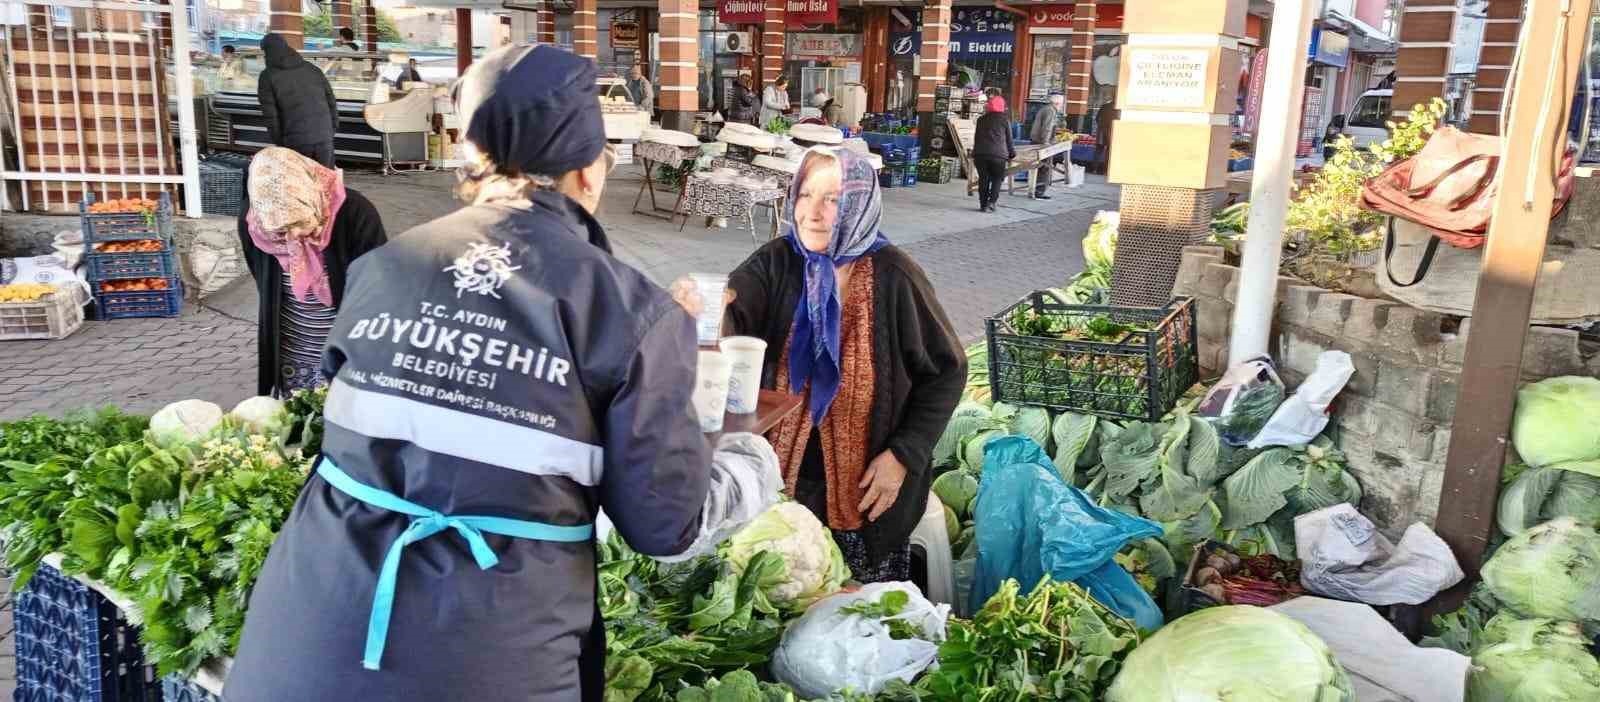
(956,489)
(1555,421)
(1034,423)
(1100,243)
(969,418)
(813,568)
(1551,571)
(261,415)
(972,449)
(184,422)
(1247,654)
(1532,660)
(1539,495)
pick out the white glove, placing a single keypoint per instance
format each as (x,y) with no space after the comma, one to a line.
(745,481)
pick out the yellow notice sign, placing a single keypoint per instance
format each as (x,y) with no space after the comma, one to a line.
(1166,78)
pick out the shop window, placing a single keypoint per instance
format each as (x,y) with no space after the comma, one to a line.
(1051,57)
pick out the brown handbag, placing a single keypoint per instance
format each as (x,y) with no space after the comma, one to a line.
(1449,188)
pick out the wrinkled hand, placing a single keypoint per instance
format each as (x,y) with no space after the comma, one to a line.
(687,295)
(882,482)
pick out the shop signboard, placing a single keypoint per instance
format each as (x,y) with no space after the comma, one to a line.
(967,45)
(823,45)
(1329,48)
(1258,85)
(624,35)
(981,20)
(733,12)
(811,12)
(1052,16)
(1159,77)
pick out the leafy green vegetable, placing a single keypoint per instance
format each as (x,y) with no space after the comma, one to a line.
(1232,653)
(1257,490)
(1250,412)
(1539,495)
(737,686)
(956,489)
(1462,630)
(969,418)
(1533,660)
(1074,437)
(972,449)
(1055,644)
(1034,423)
(1554,421)
(888,608)
(1550,571)
(812,565)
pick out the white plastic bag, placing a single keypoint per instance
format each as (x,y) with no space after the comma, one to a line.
(216,259)
(827,650)
(1242,402)
(1383,666)
(1304,415)
(1342,555)
(1075,175)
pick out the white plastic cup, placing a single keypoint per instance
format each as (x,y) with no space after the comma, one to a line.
(746,354)
(711,389)
(708,326)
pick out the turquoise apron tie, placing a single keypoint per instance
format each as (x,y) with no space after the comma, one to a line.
(425,523)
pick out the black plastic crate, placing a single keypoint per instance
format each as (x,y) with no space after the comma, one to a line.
(75,646)
(896,175)
(122,266)
(221,187)
(155,303)
(126,226)
(1123,362)
(179,689)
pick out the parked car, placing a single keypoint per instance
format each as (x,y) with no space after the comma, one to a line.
(1366,122)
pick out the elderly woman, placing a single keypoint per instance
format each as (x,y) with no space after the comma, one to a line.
(496,378)
(853,325)
(301,231)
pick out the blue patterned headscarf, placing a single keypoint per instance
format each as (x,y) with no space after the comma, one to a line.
(814,353)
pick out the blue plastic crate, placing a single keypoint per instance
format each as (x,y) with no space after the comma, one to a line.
(75,646)
(122,266)
(125,226)
(123,305)
(1241,164)
(178,689)
(909,178)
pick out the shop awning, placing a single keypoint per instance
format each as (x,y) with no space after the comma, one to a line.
(1364,38)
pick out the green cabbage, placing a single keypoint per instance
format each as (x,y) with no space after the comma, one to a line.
(952,524)
(1559,490)
(1236,653)
(1034,423)
(1551,570)
(1100,243)
(1555,421)
(262,415)
(184,422)
(1532,660)
(955,489)
(972,449)
(969,418)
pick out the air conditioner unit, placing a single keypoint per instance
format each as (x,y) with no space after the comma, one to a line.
(734,43)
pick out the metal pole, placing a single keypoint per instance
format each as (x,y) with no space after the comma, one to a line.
(188,150)
(1274,170)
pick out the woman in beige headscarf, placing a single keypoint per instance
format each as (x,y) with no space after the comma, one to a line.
(300,232)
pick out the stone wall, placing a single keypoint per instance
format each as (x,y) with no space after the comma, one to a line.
(1394,417)
(209,254)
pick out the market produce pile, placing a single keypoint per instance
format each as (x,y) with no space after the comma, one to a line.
(176,513)
(1530,624)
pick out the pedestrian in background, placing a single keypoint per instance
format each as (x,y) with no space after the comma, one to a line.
(297,102)
(992,150)
(745,103)
(347,39)
(774,101)
(644,94)
(232,68)
(1042,131)
(1103,121)
(302,230)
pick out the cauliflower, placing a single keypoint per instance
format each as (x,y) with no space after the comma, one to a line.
(813,566)
(261,415)
(184,422)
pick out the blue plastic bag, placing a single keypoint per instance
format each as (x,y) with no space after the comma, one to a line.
(1031,522)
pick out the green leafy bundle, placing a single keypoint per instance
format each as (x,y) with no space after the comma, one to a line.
(1057,643)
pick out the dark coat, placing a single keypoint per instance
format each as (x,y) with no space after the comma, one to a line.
(992,137)
(920,364)
(357,229)
(296,99)
(555,386)
(745,105)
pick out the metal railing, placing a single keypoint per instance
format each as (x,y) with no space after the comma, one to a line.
(106,48)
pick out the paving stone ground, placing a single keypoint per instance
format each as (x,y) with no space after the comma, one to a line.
(978,264)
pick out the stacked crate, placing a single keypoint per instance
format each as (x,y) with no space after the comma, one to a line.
(133,268)
(947,102)
(73,645)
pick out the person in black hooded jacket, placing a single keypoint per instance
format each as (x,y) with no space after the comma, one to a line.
(297,102)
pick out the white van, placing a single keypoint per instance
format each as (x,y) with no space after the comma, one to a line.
(1365,124)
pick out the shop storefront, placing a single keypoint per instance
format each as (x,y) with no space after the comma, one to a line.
(728,35)
(1329,54)
(822,50)
(983,46)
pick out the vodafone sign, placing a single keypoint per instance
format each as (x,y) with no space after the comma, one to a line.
(1061,16)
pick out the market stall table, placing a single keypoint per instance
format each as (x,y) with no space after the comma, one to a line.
(703,197)
(654,155)
(772,407)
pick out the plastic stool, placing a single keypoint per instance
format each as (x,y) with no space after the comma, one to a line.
(930,534)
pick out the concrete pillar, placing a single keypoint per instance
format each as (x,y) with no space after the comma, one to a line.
(1423,60)
(935,58)
(1494,64)
(370,21)
(875,54)
(585,29)
(1081,69)
(463,39)
(679,96)
(772,43)
(286,20)
(339,12)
